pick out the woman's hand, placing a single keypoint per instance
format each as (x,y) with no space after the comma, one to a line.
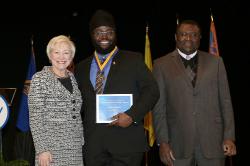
(44,158)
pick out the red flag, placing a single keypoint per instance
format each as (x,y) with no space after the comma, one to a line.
(213,45)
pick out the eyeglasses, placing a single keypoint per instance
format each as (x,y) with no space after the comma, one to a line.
(103,33)
(192,35)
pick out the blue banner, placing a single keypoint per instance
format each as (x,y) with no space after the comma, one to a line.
(23,114)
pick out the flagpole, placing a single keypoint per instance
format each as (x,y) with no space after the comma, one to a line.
(211,15)
(177,19)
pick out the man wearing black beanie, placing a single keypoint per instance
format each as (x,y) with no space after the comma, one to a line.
(99,19)
(119,141)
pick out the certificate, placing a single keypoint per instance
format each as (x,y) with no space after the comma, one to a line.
(108,105)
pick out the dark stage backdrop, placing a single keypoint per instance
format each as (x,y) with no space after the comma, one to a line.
(46,21)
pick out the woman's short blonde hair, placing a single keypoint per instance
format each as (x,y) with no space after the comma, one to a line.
(59,39)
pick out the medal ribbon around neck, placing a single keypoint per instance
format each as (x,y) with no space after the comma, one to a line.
(102,66)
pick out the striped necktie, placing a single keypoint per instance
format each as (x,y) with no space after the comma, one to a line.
(99,80)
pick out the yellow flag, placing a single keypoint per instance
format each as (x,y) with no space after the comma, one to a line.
(148,120)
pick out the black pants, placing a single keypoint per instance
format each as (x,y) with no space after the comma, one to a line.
(105,158)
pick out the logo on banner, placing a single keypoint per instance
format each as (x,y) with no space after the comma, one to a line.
(4,112)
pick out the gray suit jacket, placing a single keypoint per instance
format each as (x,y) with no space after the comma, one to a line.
(55,119)
(187,115)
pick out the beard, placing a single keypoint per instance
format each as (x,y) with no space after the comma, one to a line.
(101,50)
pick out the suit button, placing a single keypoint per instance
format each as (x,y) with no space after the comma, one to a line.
(73,101)
(74,117)
(74,109)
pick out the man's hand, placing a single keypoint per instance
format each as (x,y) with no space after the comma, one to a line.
(121,120)
(166,154)
(229,147)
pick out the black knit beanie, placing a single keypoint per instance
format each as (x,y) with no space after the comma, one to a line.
(101,18)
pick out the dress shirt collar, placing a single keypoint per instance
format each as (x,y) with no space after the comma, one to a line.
(185,55)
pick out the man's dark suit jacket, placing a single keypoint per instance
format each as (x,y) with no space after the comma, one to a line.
(128,75)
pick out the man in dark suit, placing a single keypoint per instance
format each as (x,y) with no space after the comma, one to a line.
(121,142)
(193,119)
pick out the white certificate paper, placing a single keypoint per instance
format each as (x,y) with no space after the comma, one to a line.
(108,105)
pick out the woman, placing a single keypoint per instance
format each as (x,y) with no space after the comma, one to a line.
(54,108)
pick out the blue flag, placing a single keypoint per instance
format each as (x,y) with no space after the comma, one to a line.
(23,114)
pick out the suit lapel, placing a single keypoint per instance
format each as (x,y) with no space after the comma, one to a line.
(200,70)
(87,73)
(112,71)
(180,66)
